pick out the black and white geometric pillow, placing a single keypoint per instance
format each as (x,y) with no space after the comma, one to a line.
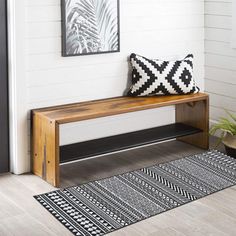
(156,77)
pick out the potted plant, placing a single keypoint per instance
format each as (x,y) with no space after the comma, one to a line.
(227,128)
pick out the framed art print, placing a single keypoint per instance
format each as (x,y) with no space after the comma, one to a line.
(90,27)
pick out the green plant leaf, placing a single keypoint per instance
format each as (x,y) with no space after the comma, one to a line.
(225,126)
(233,117)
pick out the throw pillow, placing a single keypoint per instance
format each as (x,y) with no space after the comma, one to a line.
(157,77)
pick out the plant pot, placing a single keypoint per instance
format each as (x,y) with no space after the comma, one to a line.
(230,145)
(230,151)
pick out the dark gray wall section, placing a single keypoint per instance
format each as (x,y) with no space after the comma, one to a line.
(4,134)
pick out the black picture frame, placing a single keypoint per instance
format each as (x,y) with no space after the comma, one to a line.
(67,52)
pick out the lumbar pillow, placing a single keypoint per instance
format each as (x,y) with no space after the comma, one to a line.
(156,77)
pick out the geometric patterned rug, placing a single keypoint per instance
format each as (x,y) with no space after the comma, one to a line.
(102,206)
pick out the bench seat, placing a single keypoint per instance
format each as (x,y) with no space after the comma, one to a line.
(191,110)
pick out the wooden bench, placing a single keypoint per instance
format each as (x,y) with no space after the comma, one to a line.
(192,126)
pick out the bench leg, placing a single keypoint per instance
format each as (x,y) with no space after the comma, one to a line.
(195,114)
(45,149)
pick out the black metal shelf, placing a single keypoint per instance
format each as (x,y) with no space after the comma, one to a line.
(124,141)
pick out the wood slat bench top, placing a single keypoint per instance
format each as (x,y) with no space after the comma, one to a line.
(112,106)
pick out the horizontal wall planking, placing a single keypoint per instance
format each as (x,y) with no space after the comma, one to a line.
(43,30)
(170,46)
(128,25)
(58,2)
(51,77)
(78,88)
(53,13)
(162,8)
(96,87)
(220,88)
(220,75)
(218,0)
(220,61)
(216,113)
(40,99)
(62,77)
(49,61)
(55,60)
(75,96)
(58,100)
(221,101)
(74,74)
(220,8)
(100,86)
(37,3)
(163,51)
(222,22)
(220,35)
(87,87)
(43,13)
(70,99)
(220,48)
(50,45)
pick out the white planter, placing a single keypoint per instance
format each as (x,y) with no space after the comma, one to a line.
(230,141)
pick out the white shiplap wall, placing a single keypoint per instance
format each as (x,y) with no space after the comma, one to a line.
(155,28)
(220,69)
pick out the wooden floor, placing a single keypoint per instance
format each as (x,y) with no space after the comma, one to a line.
(21,215)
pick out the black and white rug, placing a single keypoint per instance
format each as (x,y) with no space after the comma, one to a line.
(100,207)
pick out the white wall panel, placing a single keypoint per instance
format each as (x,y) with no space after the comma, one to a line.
(220,58)
(222,75)
(218,21)
(217,34)
(220,8)
(221,88)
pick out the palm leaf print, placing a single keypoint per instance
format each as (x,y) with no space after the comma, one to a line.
(91,26)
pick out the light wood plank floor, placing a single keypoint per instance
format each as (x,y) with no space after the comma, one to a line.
(21,215)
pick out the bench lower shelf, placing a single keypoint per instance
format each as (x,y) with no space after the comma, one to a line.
(124,141)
